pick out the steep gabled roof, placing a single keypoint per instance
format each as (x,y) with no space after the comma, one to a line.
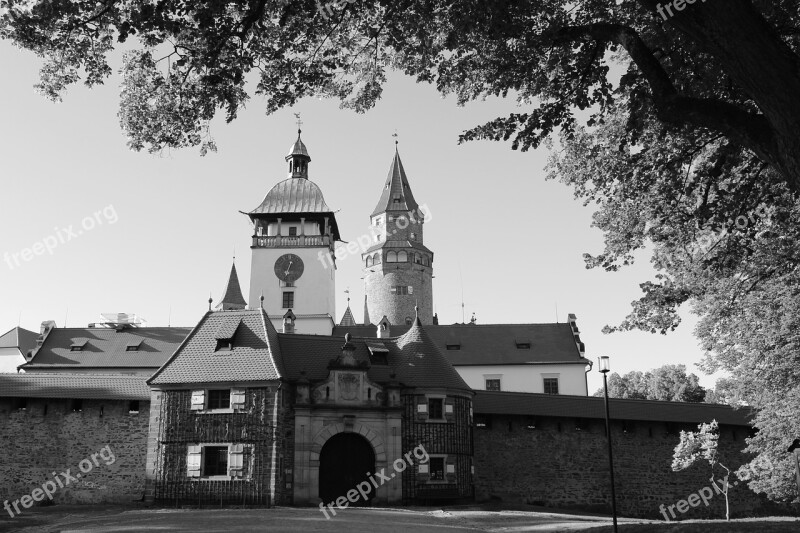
(233,298)
(106,348)
(255,355)
(85,386)
(396,186)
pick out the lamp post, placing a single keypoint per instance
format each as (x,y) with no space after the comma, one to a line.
(604,368)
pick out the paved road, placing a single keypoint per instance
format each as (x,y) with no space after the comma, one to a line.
(356,520)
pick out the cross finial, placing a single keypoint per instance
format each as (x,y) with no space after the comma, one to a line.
(299,122)
(395,137)
(347,292)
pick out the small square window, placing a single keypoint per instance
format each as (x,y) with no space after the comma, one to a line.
(437,468)
(133,406)
(493,384)
(288,300)
(77,405)
(453,346)
(219,399)
(436,408)
(215,461)
(224,345)
(551,385)
(292,231)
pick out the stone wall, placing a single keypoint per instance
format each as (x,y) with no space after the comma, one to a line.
(563,463)
(48,436)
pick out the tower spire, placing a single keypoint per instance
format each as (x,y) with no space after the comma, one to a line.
(233,298)
(298,157)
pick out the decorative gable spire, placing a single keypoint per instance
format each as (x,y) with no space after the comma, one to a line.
(298,157)
(233,298)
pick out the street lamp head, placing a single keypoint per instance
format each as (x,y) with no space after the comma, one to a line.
(603,365)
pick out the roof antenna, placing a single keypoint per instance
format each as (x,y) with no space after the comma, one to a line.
(169,317)
(462,292)
(556,312)
(66,314)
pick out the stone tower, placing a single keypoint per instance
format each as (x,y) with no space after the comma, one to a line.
(398,268)
(293,265)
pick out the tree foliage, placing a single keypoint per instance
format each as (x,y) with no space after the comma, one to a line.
(669,383)
(680,130)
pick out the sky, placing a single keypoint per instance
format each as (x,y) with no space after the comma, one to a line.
(107,229)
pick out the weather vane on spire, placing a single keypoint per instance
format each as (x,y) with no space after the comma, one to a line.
(395,137)
(299,122)
(347,292)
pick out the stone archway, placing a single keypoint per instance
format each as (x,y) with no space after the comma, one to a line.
(345,460)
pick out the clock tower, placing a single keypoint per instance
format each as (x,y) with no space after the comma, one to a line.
(293,265)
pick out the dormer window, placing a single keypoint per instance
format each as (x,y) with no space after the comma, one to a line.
(133,346)
(396,198)
(78,346)
(523,344)
(226,333)
(224,345)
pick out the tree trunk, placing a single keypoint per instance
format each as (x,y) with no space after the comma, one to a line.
(757,60)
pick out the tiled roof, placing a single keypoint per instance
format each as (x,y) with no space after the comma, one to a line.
(493,344)
(19,338)
(398,244)
(347,318)
(520,403)
(312,354)
(418,360)
(255,355)
(293,195)
(86,386)
(233,298)
(107,348)
(396,186)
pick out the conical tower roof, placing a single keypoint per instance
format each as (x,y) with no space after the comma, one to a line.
(396,195)
(348,319)
(233,298)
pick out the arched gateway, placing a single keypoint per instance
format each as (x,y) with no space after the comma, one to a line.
(345,460)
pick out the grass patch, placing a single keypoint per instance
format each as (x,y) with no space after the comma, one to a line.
(747,525)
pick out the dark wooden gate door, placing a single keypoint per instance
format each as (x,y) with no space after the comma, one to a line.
(344,462)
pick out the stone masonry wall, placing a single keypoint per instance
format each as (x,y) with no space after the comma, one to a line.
(563,463)
(36,442)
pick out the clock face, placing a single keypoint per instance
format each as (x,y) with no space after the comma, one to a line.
(289,268)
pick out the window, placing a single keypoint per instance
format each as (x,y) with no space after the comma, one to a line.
(400,289)
(493,384)
(402,256)
(292,231)
(132,348)
(133,406)
(408,321)
(288,300)
(523,343)
(369,261)
(224,344)
(437,468)
(77,346)
(390,219)
(215,461)
(396,198)
(551,385)
(435,408)
(418,259)
(77,405)
(391,257)
(453,346)
(376,259)
(219,399)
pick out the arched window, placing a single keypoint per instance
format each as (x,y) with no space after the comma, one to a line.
(413,236)
(425,260)
(369,261)
(418,259)
(376,259)
(408,321)
(402,256)
(391,257)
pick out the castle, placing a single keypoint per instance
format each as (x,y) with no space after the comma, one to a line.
(271,401)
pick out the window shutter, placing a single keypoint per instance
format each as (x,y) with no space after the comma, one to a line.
(422,408)
(423,472)
(449,410)
(450,468)
(193,460)
(237,398)
(198,400)
(236,460)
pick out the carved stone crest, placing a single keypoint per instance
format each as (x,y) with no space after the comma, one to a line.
(349,386)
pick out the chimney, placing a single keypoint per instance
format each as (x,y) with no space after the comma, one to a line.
(288,322)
